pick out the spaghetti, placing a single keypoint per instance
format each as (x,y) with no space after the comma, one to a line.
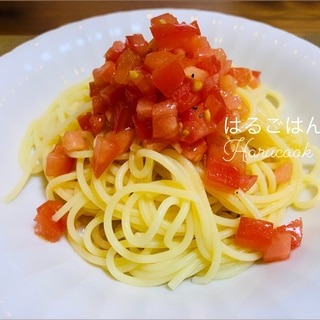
(149,219)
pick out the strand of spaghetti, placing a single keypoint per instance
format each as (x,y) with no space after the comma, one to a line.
(261,182)
(105,186)
(88,239)
(233,268)
(122,175)
(69,205)
(171,267)
(203,207)
(177,224)
(312,184)
(251,208)
(39,151)
(314,167)
(98,237)
(121,246)
(265,200)
(191,268)
(84,254)
(269,176)
(240,255)
(140,166)
(74,205)
(88,192)
(142,239)
(60,181)
(134,281)
(205,226)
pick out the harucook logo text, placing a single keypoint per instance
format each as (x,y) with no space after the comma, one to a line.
(238,147)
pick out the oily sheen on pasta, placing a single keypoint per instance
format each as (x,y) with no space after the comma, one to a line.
(148,219)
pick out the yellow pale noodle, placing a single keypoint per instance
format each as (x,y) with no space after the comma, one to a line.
(148,220)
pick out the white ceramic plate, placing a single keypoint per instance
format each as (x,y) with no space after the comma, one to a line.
(43,280)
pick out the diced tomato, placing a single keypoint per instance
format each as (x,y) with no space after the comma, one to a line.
(98,123)
(144,109)
(194,151)
(99,105)
(222,177)
(228,83)
(219,56)
(209,63)
(255,79)
(168,77)
(195,124)
(280,247)
(156,59)
(164,120)
(114,52)
(185,96)
(284,172)
(170,36)
(254,233)
(195,44)
(163,18)
(242,75)
(143,128)
(144,82)
(104,74)
(74,140)
(138,44)
(84,121)
(108,147)
(122,117)
(193,72)
(226,170)
(126,62)
(156,145)
(295,228)
(123,138)
(58,162)
(45,226)
(216,106)
(275,243)
(247,181)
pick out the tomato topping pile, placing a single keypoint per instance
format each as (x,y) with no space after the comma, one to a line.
(275,243)
(174,90)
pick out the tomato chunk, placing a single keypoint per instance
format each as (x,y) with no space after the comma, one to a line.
(138,44)
(284,172)
(168,77)
(254,233)
(74,140)
(108,147)
(45,226)
(163,18)
(169,36)
(280,247)
(195,124)
(58,162)
(226,170)
(275,243)
(165,124)
(295,228)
